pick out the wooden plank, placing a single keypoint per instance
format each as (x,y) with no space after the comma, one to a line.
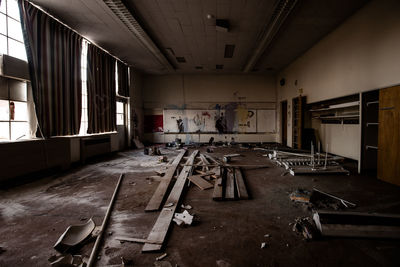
(200,182)
(368,231)
(158,196)
(389,135)
(240,185)
(217,193)
(230,185)
(160,228)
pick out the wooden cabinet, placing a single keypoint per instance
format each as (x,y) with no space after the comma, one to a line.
(389,135)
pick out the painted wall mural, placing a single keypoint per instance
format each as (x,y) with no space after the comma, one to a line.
(230,119)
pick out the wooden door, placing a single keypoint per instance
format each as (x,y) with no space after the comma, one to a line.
(389,135)
(284,122)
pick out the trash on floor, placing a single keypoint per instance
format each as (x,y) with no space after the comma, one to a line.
(300,195)
(305,227)
(183,217)
(162,257)
(74,235)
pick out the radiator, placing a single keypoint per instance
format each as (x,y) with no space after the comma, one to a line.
(95,146)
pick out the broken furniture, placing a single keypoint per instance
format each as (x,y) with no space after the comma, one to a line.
(74,235)
(298,163)
(357,224)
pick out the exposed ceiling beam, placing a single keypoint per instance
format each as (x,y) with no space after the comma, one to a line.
(281,12)
(120,10)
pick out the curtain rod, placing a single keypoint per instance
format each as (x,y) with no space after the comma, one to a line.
(87,40)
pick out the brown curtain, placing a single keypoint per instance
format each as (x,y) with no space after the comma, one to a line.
(123,79)
(54,57)
(101,91)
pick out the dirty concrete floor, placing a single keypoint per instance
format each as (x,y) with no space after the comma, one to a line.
(35,214)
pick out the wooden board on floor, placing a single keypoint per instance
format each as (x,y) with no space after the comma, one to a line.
(200,182)
(217,193)
(158,196)
(240,185)
(230,185)
(160,228)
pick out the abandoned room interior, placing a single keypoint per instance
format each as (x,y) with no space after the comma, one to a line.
(200,133)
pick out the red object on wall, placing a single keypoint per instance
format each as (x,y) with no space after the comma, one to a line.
(153,123)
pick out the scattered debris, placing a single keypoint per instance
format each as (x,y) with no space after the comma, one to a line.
(186,207)
(210,150)
(162,257)
(183,217)
(169,205)
(263,244)
(300,195)
(74,235)
(228,158)
(267,235)
(317,199)
(303,163)
(163,159)
(305,227)
(322,200)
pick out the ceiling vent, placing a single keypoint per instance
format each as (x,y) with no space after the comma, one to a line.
(181,59)
(120,10)
(219,67)
(281,11)
(222,25)
(229,49)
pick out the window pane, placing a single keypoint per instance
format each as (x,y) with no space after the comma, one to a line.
(120,119)
(19,130)
(18,90)
(16,49)
(12,9)
(120,107)
(20,111)
(3,6)
(14,30)
(3,25)
(4,131)
(3,45)
(4,110)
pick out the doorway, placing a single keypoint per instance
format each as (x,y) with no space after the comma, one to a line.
(284,122)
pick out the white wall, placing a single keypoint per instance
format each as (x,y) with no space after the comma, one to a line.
(362,54)
(205,92)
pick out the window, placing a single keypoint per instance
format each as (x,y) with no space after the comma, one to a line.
(84,116)
(13,110)
(11,38)
(120,113)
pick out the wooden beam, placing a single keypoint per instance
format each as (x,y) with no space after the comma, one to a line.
(240,185)
(160,228)
(158,196)
(230,185)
